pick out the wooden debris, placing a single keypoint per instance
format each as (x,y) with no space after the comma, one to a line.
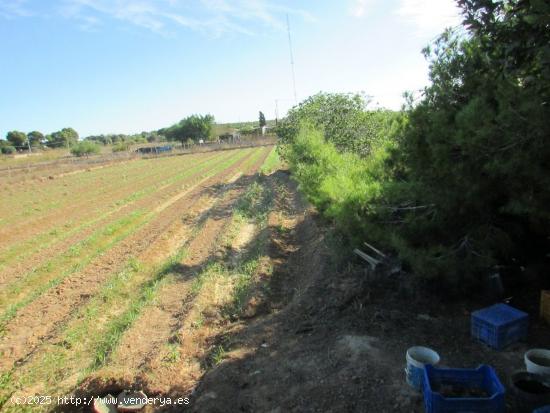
(375,250)
(371,260)
(391,266)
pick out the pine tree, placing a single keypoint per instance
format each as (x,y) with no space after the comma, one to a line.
(262,120)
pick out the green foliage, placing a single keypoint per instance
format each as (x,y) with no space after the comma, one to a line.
(459,184)
(121,139)
(16,138)
(85,148)
(476,146)
(347,188)
(339,153)
(121,147)
(255,203)
(154,137)
(8,149)
(343,118)
(262,120)
(217,355)
(195,127)
(36,138)
(249,130)
(66,137)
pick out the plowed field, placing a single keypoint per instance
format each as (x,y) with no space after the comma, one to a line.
(103,270)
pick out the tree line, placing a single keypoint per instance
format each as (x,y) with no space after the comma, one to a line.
(66,137)
(192,129)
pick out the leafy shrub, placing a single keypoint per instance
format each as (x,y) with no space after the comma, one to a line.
(195,127)
(343,118)
(340,154)
(475,150)
(459,184)
(121,147)
(85,148)
(8,149)
(346,187)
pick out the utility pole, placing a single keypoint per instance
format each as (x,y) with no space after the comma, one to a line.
(291,59)
(29,144)
(276,112)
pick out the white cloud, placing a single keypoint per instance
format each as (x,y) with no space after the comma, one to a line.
(213,17)
(429,17)
(140,13)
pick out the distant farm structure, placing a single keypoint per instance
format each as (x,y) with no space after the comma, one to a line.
(154,149)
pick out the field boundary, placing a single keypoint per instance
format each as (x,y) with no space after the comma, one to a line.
(79,164)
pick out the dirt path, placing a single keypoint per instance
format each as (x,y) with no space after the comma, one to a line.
(26,332)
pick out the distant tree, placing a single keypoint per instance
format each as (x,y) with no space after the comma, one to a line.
(262,120)
(248,130)
(155,137)
(36,138)
(195,127)
(63,138)
(102,139)
(115,139)
(85,148)
(16,138)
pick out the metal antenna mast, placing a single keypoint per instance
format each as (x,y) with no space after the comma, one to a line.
(291,58)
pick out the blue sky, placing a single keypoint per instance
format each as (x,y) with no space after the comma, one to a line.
(124,66)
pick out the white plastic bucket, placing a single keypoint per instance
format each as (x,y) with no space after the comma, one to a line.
(417,357)
(537,361)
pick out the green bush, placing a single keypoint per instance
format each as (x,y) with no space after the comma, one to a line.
(195,127)
(475,151)
(121,147)
(347,188)
(460,183)
(85,148)
(343,119)
(340,153)
(8,149)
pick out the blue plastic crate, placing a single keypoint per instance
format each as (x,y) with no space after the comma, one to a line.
(483,378)
(499,325)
